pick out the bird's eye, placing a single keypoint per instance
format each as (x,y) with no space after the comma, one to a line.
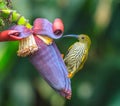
(82,37)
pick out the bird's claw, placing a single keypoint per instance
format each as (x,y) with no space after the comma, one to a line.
(70,75)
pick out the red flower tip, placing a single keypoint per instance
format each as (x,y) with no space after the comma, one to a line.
(9,35)
(66,93)
(58,27)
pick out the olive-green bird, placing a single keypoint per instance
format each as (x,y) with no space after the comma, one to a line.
(77,54)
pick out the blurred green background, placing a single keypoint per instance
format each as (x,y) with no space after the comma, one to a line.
(97,84)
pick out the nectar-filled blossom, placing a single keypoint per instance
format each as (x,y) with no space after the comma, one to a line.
(47,58)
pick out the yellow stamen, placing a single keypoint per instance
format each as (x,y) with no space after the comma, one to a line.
(45,39)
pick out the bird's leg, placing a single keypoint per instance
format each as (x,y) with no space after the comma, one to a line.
(70,75)
(62,55)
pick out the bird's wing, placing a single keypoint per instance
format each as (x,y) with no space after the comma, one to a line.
(84,57)
(70,48)
(67,52)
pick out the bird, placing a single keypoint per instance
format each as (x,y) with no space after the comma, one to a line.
(77,54)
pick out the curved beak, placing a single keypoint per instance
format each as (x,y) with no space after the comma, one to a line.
(71,35)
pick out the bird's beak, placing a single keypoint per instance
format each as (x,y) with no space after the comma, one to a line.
(72,35)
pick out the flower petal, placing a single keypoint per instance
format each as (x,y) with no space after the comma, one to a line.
(44,27)
(58,27)
(24,32)
(47,60)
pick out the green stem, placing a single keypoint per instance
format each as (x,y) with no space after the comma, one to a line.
(15,17)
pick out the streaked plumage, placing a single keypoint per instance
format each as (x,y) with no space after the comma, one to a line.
(77,55)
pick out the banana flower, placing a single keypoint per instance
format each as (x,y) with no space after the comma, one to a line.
(47,59)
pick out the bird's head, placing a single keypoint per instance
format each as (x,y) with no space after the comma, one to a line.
(83,38)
